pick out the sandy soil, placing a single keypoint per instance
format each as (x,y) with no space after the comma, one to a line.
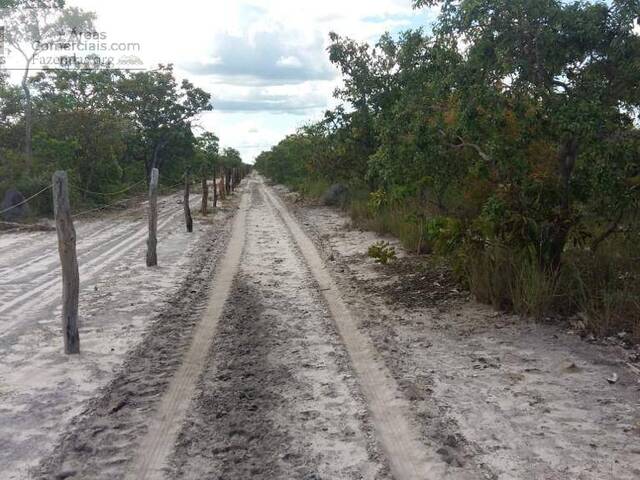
(276,396)
(277,399)
(507,397)
(279,358)
(41,389)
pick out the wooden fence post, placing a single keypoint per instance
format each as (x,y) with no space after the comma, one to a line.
(215,187)
(205,194)
(223,187)
(68,261)
(152,241)
(187,208)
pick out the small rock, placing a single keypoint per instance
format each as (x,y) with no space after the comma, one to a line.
(613,378)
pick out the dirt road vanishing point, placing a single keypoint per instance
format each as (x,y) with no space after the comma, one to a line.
(261,371)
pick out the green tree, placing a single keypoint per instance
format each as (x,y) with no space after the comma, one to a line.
(161,111)
(30,26)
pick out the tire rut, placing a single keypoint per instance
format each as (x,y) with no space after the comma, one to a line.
(409,458)
(100,442)
(278,399)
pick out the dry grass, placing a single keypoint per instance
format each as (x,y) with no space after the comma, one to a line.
(604,288)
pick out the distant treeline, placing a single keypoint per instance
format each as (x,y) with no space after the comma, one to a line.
(507,140)
(106,127)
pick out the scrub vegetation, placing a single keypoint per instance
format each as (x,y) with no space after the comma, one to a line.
(506,140)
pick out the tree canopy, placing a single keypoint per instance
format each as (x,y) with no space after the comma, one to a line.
(513,123)
(107,127)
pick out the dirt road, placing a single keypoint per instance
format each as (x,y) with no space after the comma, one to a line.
(277,361)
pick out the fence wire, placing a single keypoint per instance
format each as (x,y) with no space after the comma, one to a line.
(26,201)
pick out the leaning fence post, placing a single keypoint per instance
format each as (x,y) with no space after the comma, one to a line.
(152,241)
(187,208)
(68,261)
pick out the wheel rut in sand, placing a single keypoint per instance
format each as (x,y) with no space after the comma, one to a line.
(408,457)
(165,422)
(275,383)
(277,399)
(100,443)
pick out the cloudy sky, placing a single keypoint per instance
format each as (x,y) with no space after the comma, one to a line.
(264,62)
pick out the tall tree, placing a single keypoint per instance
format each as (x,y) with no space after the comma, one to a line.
(160,109)
(31,26)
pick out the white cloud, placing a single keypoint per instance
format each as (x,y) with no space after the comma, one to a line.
(290,61)
(264,61)
(275,57)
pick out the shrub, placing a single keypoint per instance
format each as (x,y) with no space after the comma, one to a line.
(382,252)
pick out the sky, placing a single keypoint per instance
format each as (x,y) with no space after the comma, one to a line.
(264,62)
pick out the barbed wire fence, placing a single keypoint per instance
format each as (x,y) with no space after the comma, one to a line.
(24,202)
(67,235)
(99,208)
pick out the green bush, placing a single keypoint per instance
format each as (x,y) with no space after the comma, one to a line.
(382,252)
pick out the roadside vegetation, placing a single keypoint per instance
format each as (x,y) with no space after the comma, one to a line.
(106,127)
(506,140)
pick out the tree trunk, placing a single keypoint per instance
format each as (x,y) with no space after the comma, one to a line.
(28,119)
(560,233)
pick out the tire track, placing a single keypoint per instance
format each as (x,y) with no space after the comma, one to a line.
(101,441)
(277,398)
(87,239)
(46,293)
(84,229)
(165,423)
(409,459)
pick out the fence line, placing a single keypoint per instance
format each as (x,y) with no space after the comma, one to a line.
(108,194)
(119,202)
(111,205)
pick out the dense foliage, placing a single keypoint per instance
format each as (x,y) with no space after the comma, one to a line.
(107,127)
(508,139)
